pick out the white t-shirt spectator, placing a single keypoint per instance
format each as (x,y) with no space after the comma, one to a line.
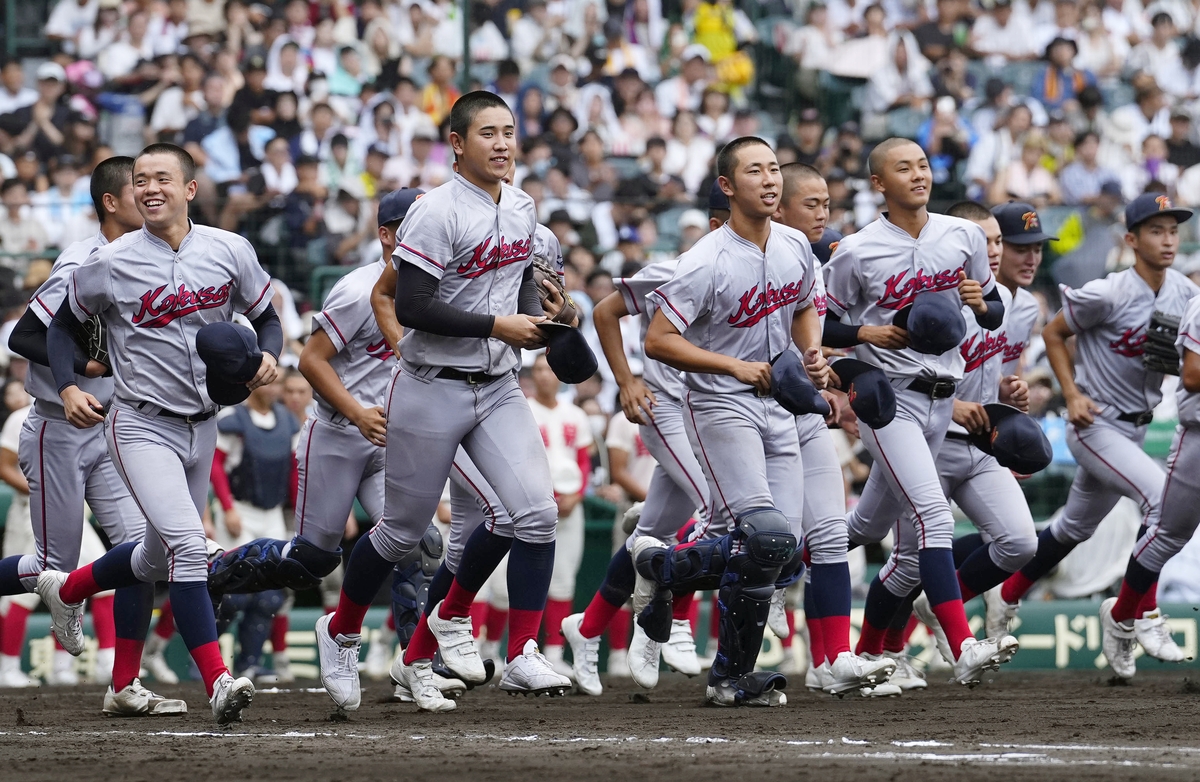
(624,435)
(121,57)
(69,18)
(1011,41)
(567,436)
(10,102)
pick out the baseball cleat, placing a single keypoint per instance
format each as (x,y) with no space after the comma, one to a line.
(283,668)
(585,656)
(885,690)
(726,693)
(630,520)
(230,697)
(1155,637)
(906,676)
(339,665)
(817,677)
(457,646)
(529,673)
(440,669)
(11,675)
(554,655)
(1000,614)
(643,588)
(62,671)
(417,683)
(102,670)
(777,614)
(851,672)
(66,619)
(137,701)
(379,657)
(643,658)
(679,653)
(618,664)
(1118,641)
(976,656)
(155,662)
(924,612)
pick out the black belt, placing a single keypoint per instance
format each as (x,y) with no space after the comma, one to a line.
(474,378)
(958,436)
(1137,419)
(938,388)
(194,418)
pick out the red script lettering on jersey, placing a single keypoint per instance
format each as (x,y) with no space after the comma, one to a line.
(176,304)
(1130,344)
(380,350)
(977,351)
(486,258)
(754,306)
(900,289)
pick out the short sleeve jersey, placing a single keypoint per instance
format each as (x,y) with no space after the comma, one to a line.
(479,250)
(661,378)
(39,380)
(728,296)
(154,299)
(1019,320)
(364,361)
(547,249)
(565,429)
(879,270)
(1109,318)
(1189,339)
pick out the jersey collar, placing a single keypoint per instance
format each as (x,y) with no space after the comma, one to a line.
(160,243)
(479,191)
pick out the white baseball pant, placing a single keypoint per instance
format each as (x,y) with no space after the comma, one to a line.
(342,464)
(825,535)
(678,489)
(1173,521)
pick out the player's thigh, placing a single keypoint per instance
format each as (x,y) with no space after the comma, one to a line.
(1112,457)
(112,504)
(785,469)
(329,468)
(876,511)
(726,432)
(371,487)
(668,507)
(901,573)
(995,504)
(1177,517)
(477,501)
(825,530)
(47,454)
(667,440)
(568,555)
(1089,500)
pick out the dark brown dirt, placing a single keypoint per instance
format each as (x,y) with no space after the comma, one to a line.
(1023,726)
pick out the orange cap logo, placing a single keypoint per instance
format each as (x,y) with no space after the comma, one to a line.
(851,394)
(1164,202)
(1031,221)
(833,247)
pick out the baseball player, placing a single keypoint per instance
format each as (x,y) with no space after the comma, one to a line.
(739,299)
(155,289)
(66,466)
(466,295)
(677,489)
(936,264)
(1169,526)
(1111,394)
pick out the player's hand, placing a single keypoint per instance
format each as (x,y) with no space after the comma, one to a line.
(233,522)
(268,371)
(971,416)
(817,367)
(637,401)
(372,422)
(835,408)
(1082,411)
(970,293)
(82,409)
(754,373)
(567,503)
(520,331)
(886,337)
(95,369)
(1015,391)
(554,301)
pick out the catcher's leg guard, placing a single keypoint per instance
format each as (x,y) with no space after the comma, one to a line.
(410,583)
(267,563)
(697,565)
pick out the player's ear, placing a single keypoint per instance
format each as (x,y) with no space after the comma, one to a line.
(726,185)
(109,202)
(877,183)
(1131,240)
(458,144)
(190,190)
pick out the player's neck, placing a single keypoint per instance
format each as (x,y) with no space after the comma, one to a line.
(753,229)
(113,230)
(911,221)
(259,406)
(172,234)
(492,188)
(1153,277)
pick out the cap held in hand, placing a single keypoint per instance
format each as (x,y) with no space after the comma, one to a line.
(231,356)
(934,323)
(1015,439)
(792,388)
(568,353)
(871,396)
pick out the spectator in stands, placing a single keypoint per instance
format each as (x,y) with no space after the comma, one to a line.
(1159,57)
(40,124)
(683,92)
(1147,114)
(947,139)
(1058,84)
(1181,150)
(13,92)
(1081,180)
(948,30)
(254,96)
(19,232)
(1151,172)
(1002,35)
(1025,179)
(440,93)
(902,84)
(121,57)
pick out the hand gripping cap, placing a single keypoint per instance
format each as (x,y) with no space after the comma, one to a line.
(231,358)
(1015,439)
(871,396)
(934,322)
(568,353)
(792,388)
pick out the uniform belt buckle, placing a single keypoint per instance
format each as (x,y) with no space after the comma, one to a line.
(475,379)
(941,389)
(1144,418)
(758,392)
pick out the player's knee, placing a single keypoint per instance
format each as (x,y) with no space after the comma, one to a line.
(1013,552)
(766,537)
(536,524)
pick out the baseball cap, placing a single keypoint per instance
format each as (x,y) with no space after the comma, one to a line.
(828,242)
(255,63)
(810,116)
(692,51)
(560,216)
(1149,205)
(792,388)
(1112,188)
(1020,224)
(568,353)
(395,205)
(693,218)
(1015,440)
(563,61)
(717,198)
(871,396)
(51,71)
(232,357)
(935,324)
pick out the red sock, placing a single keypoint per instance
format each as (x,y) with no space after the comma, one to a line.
(478,616)
(1149,600)
(279,631)
(497,618)
(791,634)
(522,627)
(835,631)
(619,629)
(681,605)
(79,586)
(597,616)
(457,603)
(12,640)
(714,619)
(816,640)
(953,619)
(103,626)
(870,639)
(208,660)
(967,592)
(909,629)
(166,622)
(348,618)
(1129,603)
(422,645)
(896,640)
(127,661)
(552,618)
(1015,587)
(694,616)
(390,622)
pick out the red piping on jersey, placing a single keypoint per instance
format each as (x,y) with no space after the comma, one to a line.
(672,306)
(259,299)
(420,254)
(341,336)
(1152,534)
(911,504)
(75,292)
(833,298)
(704,453)
(42,491)
(1079,437)
(702,495)
(888,567)
(1190,338)
(132,493)
(38,299)
(632,297)
(491,511)
(304,504)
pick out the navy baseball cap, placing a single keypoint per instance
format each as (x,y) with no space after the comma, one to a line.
(935,324)
(1148,205)
(871,396)
(824,248)
(232,357)
(395,205)
(792,388)
(717,198)
(1016,440)
(568,353)
(1020,224)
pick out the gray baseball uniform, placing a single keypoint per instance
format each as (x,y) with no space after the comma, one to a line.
(479,250)
(547,249)
(1109,319)
(66,466)
(153,300)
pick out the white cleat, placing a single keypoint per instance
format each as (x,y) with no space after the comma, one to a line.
(457,646)
(1000,615)
(1118,641)
(777,614)
(976,657)
(924,612)
(554,655)
(851,672)
(102,671)
(66,619)
(1155,637)
(906,676)
(724,694)
(817,677)
(230,697)
(417,683)
(585,655)
(154,661)
(11,675)
(618,664)
(62,672)
(529,673)
(379,656)
(643,658)
(630,520)
(137,701)
(679,652)
(885,690)
(643,588)
(283,668)
(339,665)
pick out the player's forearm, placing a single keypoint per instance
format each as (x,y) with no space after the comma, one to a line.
(1059,356)
(806,329)
(61,347)
(992,317)
(622,478)
(383,304)
(11,473)
(675,351)
(840,335)
(529,301)
(220,481)
(270,331)
(325,382)
(417,307)
(606,317)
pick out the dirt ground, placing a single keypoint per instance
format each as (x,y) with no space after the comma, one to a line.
(1024,725)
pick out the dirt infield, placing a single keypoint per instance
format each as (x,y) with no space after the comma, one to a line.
(1025,725)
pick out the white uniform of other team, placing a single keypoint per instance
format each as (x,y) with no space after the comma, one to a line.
(565,431)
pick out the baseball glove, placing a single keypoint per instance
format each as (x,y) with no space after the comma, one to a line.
(541,273)
(1159,353)
(91,337)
